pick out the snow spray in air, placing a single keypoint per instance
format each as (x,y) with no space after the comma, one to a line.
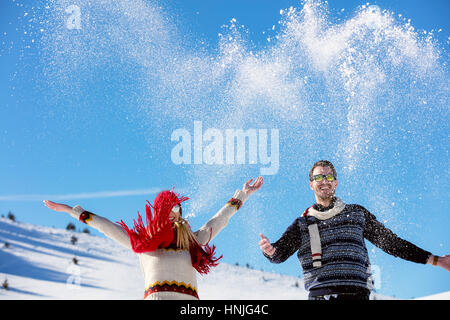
(368,92)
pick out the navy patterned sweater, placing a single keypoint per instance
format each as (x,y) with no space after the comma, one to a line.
(345,261)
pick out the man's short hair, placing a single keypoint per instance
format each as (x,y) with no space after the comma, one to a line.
(322,163)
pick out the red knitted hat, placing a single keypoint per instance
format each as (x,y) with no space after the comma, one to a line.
(165,201)
(158,233)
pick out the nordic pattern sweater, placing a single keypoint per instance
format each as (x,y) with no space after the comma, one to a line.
(168,273)
(345,261)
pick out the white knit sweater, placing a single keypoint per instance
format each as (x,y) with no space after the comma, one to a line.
(168,268)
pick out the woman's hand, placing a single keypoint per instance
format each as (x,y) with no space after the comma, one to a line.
(60,207)
(249,189)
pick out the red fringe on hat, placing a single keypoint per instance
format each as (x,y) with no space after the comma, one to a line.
(203,258)
(160,233)
(157,234)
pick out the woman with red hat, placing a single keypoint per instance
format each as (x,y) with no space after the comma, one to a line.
(169,252)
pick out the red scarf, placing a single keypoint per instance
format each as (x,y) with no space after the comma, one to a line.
(160,232)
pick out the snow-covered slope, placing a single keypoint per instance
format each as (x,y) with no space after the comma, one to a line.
(439,296)
(37,263)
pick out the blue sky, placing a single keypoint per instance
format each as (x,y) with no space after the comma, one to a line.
(86,115)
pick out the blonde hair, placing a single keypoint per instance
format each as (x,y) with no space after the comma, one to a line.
(185,236)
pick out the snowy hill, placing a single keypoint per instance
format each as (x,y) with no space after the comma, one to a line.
(439,296)
(38,262)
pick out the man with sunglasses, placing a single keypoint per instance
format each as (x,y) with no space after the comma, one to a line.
(329,237)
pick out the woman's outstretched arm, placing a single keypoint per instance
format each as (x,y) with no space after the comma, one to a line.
(108,228)
(219,221)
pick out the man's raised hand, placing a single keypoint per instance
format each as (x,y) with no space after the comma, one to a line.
(265,245)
